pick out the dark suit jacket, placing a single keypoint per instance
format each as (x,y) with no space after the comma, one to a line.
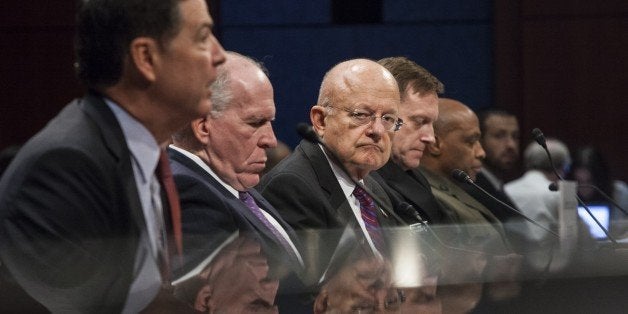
(210,213)
(410,187)
(70,215)
(305,191)
(499,210)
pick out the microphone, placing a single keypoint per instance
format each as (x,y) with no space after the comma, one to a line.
(409,211)
(554,187)
(422,227)
(463,177)
(307,132)
(538,136)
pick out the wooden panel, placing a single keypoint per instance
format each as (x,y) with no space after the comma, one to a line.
(574,8)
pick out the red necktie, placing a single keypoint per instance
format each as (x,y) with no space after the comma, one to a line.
(369,215)
(164,175)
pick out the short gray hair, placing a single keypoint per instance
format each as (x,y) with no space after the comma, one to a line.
(535,157)
(222,94)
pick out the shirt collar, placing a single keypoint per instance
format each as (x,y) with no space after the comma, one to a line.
(141,143)
(346,183)
(206,167)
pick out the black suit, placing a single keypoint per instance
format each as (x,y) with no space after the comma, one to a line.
(210,213)
(70,214)
(410,187)
(305,191)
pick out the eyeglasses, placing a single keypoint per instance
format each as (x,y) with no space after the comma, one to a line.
(363,117)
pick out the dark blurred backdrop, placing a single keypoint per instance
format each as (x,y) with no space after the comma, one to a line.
(561,65)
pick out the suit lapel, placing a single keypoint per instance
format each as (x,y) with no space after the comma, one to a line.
(234,202)
(328,182)
(113,138)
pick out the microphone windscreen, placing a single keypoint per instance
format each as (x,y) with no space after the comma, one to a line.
(405,208)
(538,136)
(306,131)
(461,176)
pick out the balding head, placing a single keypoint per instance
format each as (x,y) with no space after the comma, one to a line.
(369,88)
(450,113)
(457,143)
(354,77)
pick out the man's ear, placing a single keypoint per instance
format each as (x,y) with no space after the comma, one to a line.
(144,54)
(317,116)
(434,149)
(320,304)
(201,129)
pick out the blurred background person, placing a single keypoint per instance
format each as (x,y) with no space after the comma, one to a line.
(531,194)
(589,167)
(500,141)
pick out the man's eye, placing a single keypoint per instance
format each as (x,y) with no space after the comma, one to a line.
(360,115)
(389,119)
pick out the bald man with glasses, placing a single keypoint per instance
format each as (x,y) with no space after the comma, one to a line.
(322,188)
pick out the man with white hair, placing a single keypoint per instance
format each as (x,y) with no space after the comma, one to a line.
(531,194)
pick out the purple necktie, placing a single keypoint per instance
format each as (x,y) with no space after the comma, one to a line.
(369,215)
(250,203)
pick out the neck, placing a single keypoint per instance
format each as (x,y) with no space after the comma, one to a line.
(159,121)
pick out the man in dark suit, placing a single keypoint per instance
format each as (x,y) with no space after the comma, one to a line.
(500,140)
(215,163)
(320,189)
(79,222)
(419,91)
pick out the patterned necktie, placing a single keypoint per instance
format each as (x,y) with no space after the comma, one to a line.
(250,203)
(164,174)
(369,215)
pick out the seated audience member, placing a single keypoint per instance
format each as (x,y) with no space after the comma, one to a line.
(531,194)
(419,91)
(321,189)
(80,219)
(589,168)
(500,141)
(217,160)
